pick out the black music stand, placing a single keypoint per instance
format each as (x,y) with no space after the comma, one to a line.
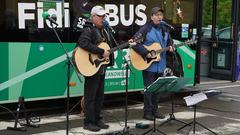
(162,84)
(176,85)
(22,108)
(193,101)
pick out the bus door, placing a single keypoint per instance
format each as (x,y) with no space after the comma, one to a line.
(219,58)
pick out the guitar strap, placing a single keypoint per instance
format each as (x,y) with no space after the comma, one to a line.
(103,36)
(100,39)
(99,36)
(106,37)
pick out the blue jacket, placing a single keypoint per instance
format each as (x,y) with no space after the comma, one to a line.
(154,33)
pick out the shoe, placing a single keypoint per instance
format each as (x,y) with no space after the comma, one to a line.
(148,117)
(159,116)
(102,125)
(92,127)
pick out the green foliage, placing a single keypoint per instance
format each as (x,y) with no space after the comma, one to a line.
(224,8)
(207,12)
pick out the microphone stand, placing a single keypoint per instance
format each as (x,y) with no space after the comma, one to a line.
(127,67)
(69,63)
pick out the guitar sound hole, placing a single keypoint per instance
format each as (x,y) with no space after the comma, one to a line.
(153,53)
(100,56)
(150,59)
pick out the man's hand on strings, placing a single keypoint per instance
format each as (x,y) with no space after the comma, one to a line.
(132,42)
(106,54)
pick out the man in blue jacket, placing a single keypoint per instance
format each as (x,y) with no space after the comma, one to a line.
(154,32)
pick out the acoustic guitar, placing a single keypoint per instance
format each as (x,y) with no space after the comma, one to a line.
(89,63)
(142,63)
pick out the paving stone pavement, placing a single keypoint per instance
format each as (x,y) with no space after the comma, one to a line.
(220,113)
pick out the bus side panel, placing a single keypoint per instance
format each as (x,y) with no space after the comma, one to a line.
(3,69)
(39,71)
(48,66)
(188,62)
(116,75)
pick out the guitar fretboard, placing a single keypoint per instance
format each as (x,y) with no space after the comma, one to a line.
(118,47)
(168,48)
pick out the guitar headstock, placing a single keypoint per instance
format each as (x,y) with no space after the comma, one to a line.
(139,38)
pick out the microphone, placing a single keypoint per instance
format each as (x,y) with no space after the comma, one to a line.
(52,18)
(106,25)
(166,24)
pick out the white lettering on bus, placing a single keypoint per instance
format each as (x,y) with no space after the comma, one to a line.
(131,15)
(26,13)
(113,18)
(140,14)
(23,16)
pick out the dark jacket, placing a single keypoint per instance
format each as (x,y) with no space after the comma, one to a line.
(92,36)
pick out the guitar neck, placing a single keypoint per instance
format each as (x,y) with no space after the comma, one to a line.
(163,50)
(118,47)
(168,48)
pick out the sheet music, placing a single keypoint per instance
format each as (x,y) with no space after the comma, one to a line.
(195,99)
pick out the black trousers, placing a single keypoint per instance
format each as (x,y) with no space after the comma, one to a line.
(150,99)
(93,98)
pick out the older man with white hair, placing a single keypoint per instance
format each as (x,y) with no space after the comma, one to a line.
(93,34)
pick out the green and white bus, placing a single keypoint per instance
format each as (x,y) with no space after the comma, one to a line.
(33,64)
